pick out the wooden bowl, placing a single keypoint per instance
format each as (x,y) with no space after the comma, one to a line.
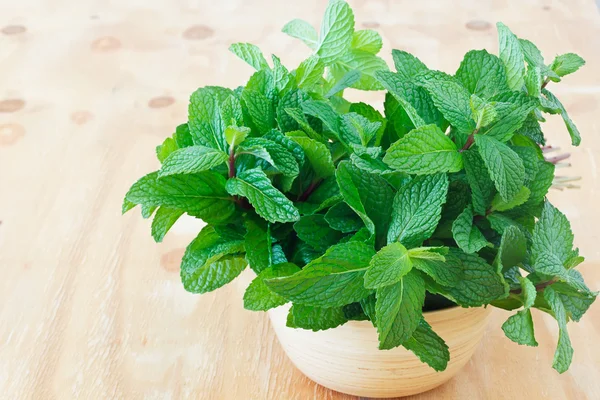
(346,359)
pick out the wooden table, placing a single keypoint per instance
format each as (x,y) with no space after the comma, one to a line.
(91,308)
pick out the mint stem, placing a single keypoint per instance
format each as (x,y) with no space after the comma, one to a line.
(469,142)
(231,163)
(538,287)
(311,188)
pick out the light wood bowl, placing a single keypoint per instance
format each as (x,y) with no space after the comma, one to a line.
(346,359)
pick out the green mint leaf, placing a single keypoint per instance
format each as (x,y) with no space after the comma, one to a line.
(519,328)
(332,280)
(541,183)
(417,209)
(564,351)
(483,113)
(257,242)
(512,57)
(513,109)
(531,128)
(315,318)
(367,40)
(500,222)
(260,110)
(482,187)
(336,31)
(251,54)
(325,112)
(275,154)
(533,81)
(467,236)
(346,81)
(504,165)
(163,221)
(290,100)
(231,114)
(498,204)
(302,30)
(400,90)
(399,310)
(205,120)
(147,211)
(366,63)
(573,131)
(342,218)
(428,346)
(388,266)
(450,97)
(531,159)
(575,302)
(482,74)
(318,155)
(407,65)
(314,230)
(513,247)
(258,297)
(424,150)
(234,135)
(210,262)
(552,235)
(369,195)
(282,79)
(191,160)
(310,72)
(480,282)
(202,195)
(166,148)
(268,202)
(566,64)
(294,148)
(354,128)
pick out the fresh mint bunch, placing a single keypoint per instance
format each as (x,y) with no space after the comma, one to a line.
(351,214)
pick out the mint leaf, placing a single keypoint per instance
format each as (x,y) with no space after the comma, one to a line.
(533,81)
(251,54)
(480,282)
(292,99)
(166,148)
(342,218)
(519,328)
(365,62)
(424,150)
(315,318)
(310,72)
(467,236)
(257,242)
(346,81)
(482,73)
(575,302)
(512,57)
(191,160)
(482,187)
(260,109)
(367,40)
(388,266)
(206,123)
(314,230)
(566,64)
(398,88)
(504,165)
(302,30)
(258,297)
(336,31)
(417,209)
(552,235)
(529,292)
(318,155)
(484,113)
(498,204)
(450,97)
(513,247)
(163,221)
(573,131)
(325,112)
(202,195)
(369,195)
(564,351)
(540,184)
(512,109)
(235,135)
(332,280)
(407,65)
(354,128)
(275,154)
(431,262)
(428,346)
(531,128)
(210,262)
(531,159)
(268,202)
(399,310)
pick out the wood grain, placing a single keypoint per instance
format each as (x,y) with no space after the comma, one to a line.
(91,308)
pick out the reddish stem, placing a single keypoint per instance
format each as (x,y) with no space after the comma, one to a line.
(311,188)
(469,142)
